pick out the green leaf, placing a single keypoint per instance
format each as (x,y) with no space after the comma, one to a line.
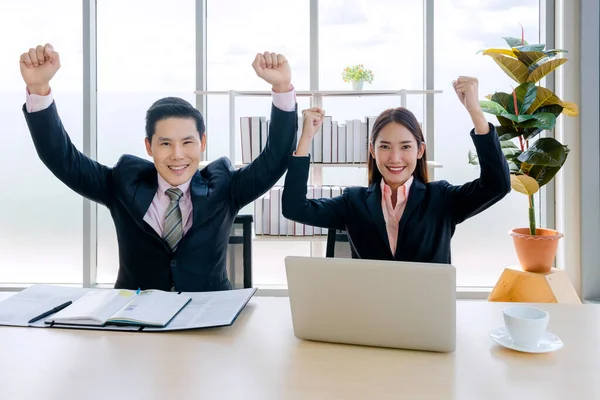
(515,69)
(547,152)
(553,109)
(550,54)
(544,97)
(529,57)
(512,157)
(554,52)
(545,69)
(543,174)
(514,166)
(529,133)
(544,121)
(491,107)
(533,67)
(508,144)
(518,118)
(509,149)
(473,158)
(514,42)
(507,132)
(505,121)
(505,100)
(530,47)
(526,94)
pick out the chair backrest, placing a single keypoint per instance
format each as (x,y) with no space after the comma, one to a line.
(338,245)
(239,253)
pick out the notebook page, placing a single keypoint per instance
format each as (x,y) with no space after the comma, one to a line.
(94,308)
(210,309)
(18,309)
(151,307)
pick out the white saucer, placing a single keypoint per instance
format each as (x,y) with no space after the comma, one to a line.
(549,342)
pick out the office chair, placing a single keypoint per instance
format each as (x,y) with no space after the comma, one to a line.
(338,245)
(239,253)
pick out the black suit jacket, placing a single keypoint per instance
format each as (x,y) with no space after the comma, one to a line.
(430,216)
(218,192)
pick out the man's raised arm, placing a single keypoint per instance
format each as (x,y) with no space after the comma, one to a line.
(52,143)
(251,181)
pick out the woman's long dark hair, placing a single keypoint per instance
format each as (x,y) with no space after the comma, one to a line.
(407,119)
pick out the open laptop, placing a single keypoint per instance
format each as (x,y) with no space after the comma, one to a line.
(405,305)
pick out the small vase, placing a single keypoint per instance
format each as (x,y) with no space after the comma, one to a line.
(357,85)
(536,253)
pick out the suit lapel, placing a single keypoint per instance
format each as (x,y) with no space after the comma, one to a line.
(415,196)
(199,196)
(374,206)
(144,193)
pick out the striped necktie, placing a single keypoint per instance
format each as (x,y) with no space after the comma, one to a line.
(173,231)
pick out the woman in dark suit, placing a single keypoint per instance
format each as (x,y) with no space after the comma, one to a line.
(400,215)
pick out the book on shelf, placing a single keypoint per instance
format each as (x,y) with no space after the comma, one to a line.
(254,132)
(334,143)
(269,220)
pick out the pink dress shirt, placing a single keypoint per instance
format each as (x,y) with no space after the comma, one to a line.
(392,214)
(155,215)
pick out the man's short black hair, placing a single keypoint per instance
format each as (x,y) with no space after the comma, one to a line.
(169,107)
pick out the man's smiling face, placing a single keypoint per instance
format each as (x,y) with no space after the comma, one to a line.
(176,148)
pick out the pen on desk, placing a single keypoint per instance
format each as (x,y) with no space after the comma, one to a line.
(138,291)
(48,313)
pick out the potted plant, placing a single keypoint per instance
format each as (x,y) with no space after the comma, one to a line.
(523,113)
(357,74)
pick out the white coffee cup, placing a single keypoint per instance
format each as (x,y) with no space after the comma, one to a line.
(525,324)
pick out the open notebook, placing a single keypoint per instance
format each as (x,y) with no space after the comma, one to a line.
(153,308)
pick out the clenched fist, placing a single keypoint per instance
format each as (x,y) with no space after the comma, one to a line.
(312,121)
(466,89)
(274,69)
(38,66)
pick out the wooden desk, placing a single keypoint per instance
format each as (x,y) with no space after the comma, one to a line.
(259,358)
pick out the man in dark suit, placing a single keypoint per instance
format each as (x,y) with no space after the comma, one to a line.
(173,221)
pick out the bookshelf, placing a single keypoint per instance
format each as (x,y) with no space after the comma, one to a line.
(317,98)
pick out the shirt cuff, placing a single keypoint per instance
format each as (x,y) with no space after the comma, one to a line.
(35,102)
(491,127)
(296,155)
(285,101)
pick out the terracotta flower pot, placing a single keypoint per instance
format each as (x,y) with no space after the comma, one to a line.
(536,253)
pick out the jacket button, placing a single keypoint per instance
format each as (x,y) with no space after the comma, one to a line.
(173,263)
